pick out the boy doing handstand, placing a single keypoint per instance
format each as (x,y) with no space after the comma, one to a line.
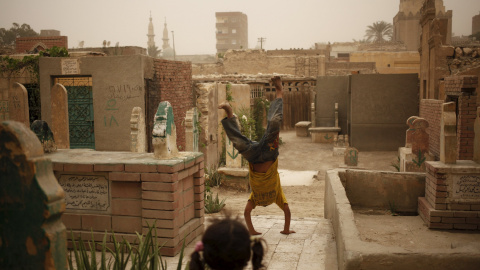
(262,157)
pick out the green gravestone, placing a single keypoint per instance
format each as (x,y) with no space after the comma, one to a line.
(32,235)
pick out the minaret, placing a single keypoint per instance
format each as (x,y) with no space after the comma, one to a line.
(150,35)
(165,37)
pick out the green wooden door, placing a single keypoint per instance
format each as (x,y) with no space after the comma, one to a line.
(80,117)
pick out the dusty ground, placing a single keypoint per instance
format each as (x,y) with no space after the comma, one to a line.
(300,154)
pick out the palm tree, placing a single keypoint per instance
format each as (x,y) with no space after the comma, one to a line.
(379,32)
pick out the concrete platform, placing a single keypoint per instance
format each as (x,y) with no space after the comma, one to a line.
(313,248)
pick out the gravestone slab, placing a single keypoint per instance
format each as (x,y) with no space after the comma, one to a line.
(410,131)
(351,156)
(59,126)
(44,135)
(31,232)
(137,131)
(233,157)
(18,104)
(191,130)
(164,132)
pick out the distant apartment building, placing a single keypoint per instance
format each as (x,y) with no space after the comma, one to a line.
(232,31)
(476,24)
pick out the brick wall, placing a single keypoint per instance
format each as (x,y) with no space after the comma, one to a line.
(173,83)
(463,89)
(431,110)
(27,44)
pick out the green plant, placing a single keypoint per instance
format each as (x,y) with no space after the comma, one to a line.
(392,208)
(212,177)
(229,96)
(247,123)
(396,164)
(259,109)
(212,205)
(145,255)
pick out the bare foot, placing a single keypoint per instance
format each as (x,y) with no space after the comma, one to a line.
(277,82)
(287,232)
(228,109)
(255,233)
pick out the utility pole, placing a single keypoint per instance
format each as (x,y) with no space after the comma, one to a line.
(173,38)
(261,40)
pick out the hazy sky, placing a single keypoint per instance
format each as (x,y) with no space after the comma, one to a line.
(284,24)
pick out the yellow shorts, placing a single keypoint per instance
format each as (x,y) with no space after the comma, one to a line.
(266,187)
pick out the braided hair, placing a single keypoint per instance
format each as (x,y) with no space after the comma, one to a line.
(226,244)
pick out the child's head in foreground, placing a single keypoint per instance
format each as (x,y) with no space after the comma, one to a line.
(226,244)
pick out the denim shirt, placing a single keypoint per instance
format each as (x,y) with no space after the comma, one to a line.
(266,149)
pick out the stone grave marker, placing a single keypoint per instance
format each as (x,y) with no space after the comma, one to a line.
(313,114)
(18,104)
(164,133)
(336,115)
(191,130)
(410,131)
(44,135)
(59,125)
(448,134)
(420,141)
(32,233)
(351,156)
(137,131)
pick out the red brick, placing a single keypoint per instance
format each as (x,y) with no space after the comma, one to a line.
(123,176)
(441,226)
(159,186)
(160,214)
(187,183)
(126,207)
(199,212)
(188,197)
(475,207)
(126,224)
(197,197)
(466,214)
(473,221)
(182,174)
(140,168)
(199,181)
(97,222)
(171,168)
(200,173)
(72,221)
(199,205)
(199,159)
(201,165)
(160,177)
(161,196)
(77,167)
(465,226)
(454,206)
(189,162)
(160,205)
(108,167)
(199,189)
(453,220)
(192,170)
(189,212)
(161,223)
(130,190)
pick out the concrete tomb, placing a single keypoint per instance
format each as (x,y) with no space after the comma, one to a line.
(339,145)
(18,104)
(60,125)
(45,135)
(137,131)
(191,130)
(32,233)
(164,132)
(325,134)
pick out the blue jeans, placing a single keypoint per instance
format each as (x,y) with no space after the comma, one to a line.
(266,149)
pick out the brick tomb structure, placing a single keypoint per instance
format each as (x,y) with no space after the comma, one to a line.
(452,187)
(124,192)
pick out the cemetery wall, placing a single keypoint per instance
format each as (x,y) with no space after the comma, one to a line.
(347,68)
(390,62)
(379,111)
(331,90)
(27,44)
(431,110)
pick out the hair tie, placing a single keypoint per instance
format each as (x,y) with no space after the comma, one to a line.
(199,246)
